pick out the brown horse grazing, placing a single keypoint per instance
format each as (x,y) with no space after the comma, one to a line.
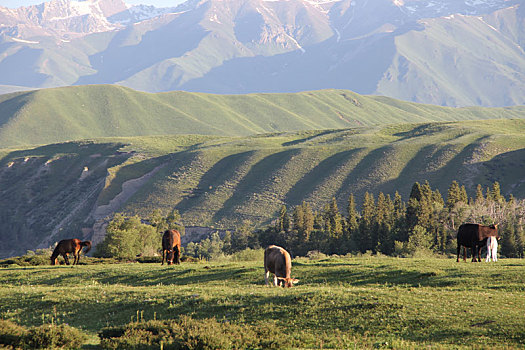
(171,246)
(68,246)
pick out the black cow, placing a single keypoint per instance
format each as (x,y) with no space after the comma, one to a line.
(474,236)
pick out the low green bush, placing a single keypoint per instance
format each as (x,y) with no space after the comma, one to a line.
(11,334)
(48,336)
(186,333)
(248,255)
(31,258)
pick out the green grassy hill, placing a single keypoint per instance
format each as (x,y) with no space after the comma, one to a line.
(56,191)
(342,303)
(72,113)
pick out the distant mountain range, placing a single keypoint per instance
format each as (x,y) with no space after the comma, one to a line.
(444,52)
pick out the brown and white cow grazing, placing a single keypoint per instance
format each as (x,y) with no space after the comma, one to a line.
(278,261)
(171,246)
(474,236)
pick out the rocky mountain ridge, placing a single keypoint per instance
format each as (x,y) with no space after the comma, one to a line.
(444,52)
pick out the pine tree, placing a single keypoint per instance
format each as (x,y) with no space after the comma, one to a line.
(427,191)
(437,199)
(463,195)
(413,206)
(351,227)
(383,239)
(283,224)
(488,195)
(495,193)
(308,220)
(399,206)
(298,219)
(333,220)
(508,243)
(416,192)
(479,194)
(352,214)
(453,195)
(365,224)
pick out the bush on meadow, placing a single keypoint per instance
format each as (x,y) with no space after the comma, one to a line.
(48,336)
(187,333)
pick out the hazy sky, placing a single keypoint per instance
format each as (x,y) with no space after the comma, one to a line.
(157,3)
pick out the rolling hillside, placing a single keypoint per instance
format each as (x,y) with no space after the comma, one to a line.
(73,113)
(54,191)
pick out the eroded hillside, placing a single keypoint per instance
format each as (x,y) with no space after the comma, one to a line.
(65,190)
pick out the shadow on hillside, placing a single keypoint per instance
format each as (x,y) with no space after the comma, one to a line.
(257,178)
(321,173)
(222,172)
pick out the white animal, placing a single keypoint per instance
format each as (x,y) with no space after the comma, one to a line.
(492,249)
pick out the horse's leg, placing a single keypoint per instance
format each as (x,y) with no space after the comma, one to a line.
(473,250)
(163,255)
(177,257)
(464,253)
(479,252)
(66,258)
(459,251)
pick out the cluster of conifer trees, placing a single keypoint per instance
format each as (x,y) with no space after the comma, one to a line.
(391,226)
(426,223)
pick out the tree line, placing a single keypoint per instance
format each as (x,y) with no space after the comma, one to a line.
(424,224)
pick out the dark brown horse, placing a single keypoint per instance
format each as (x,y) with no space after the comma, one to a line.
(68,246)
(474,236)
(171,247)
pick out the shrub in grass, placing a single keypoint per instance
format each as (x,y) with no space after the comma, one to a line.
(31,258)
(11,334)
(50,336)
(185,333)
(315,255)
(248,255)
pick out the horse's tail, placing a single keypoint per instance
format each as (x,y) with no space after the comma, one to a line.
(86,244)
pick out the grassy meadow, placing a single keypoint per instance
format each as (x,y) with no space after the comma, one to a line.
(94,111)
(340,302)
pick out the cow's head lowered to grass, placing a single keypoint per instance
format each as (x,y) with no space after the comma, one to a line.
(278,261)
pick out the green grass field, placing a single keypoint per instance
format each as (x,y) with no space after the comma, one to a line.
(350,302)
